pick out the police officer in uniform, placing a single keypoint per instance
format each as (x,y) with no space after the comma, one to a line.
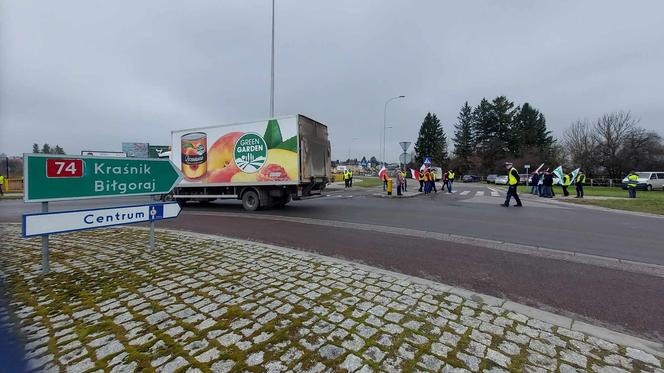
(350,178)
(567,180)
(632,182)
(346,178)
(513,182)
(580,181)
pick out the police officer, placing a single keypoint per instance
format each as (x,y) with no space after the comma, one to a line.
(513,182)
(2,185)
(632,182)
(567,180)
(346,178)
(350,178)
(580,181)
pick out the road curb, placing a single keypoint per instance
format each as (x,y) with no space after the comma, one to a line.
(542,252)
(652,347)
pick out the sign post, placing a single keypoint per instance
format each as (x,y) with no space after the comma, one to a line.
(527,167)
(63,177)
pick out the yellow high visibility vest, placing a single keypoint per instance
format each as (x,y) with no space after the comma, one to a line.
(450,175)
(512,180)
(633,180)
(421,176)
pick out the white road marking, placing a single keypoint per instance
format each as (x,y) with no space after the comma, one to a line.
(495,194)
(479,193)
(464,192)
(493,190)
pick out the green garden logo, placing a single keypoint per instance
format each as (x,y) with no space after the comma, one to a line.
(250,152)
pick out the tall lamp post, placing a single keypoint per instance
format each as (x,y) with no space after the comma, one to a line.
(272,68)
(385,123)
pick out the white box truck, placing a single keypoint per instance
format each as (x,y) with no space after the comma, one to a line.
(264,164)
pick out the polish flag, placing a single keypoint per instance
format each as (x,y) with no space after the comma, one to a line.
(415,174)
(382,172)
(423,168)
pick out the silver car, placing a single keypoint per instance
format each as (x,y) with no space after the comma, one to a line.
(647,180)
(501,180)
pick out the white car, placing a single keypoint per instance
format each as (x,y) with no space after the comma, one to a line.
(647,180)
(501,180)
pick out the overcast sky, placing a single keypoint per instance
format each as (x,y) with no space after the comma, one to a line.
(92,74)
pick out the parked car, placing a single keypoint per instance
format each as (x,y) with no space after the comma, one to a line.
(523,178)
(470,178)
(501,180)
(647,180)
(491,179)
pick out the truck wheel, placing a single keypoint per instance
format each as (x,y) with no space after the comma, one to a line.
(250,201)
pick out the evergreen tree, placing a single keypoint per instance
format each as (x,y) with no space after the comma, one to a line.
(431,141)
(46,149)
(58,150)
(464,142)
(485,133)
(373,161)
(505,112)
(35,148)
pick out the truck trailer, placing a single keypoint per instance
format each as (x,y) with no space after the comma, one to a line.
(264,164)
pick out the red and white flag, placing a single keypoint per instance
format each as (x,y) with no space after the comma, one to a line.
(415,174)
(423,168)
(382,172)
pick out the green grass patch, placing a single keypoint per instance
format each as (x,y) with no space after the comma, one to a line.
(650,202)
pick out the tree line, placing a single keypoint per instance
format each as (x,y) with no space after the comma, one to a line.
(493,132)
(46,149)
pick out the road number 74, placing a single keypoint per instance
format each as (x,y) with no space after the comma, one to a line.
(59,167)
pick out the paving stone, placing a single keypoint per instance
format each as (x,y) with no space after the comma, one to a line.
(109,349)
(498,358)
(331,352)
(81,366)
(374,354)
(174,365)
(472,362)
(509,348)
(544,348)
(351,363)
(642,356)
(222,366)
(574,358)
(229,339)
(125,368)
(430,362)
(355,343)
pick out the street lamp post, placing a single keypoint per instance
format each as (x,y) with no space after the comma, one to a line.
(385,123)
(272,68)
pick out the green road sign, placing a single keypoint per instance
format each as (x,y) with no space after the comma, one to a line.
(64,177)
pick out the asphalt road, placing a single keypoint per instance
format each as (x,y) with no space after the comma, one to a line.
(621,300)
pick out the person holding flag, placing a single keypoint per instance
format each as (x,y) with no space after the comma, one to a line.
(382,174)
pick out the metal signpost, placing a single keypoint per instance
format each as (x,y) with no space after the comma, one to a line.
(527,167)
(63,177)
(404,156)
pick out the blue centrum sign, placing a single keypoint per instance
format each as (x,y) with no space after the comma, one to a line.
(69,221)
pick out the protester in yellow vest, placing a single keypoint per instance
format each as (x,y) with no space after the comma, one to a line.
(420,178)
(450,180)
(347,178)
(350,178)
(405,182)
(2,185)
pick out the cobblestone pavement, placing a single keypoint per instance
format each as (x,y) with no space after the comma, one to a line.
(201,303)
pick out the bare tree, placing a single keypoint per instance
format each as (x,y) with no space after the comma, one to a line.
(610,133)
(579,141)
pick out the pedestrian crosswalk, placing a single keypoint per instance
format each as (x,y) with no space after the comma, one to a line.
(476,193)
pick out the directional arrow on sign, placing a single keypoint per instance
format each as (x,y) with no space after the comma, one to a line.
(69,221)
(62,177)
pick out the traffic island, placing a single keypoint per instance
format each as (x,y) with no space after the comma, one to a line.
(206,303)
